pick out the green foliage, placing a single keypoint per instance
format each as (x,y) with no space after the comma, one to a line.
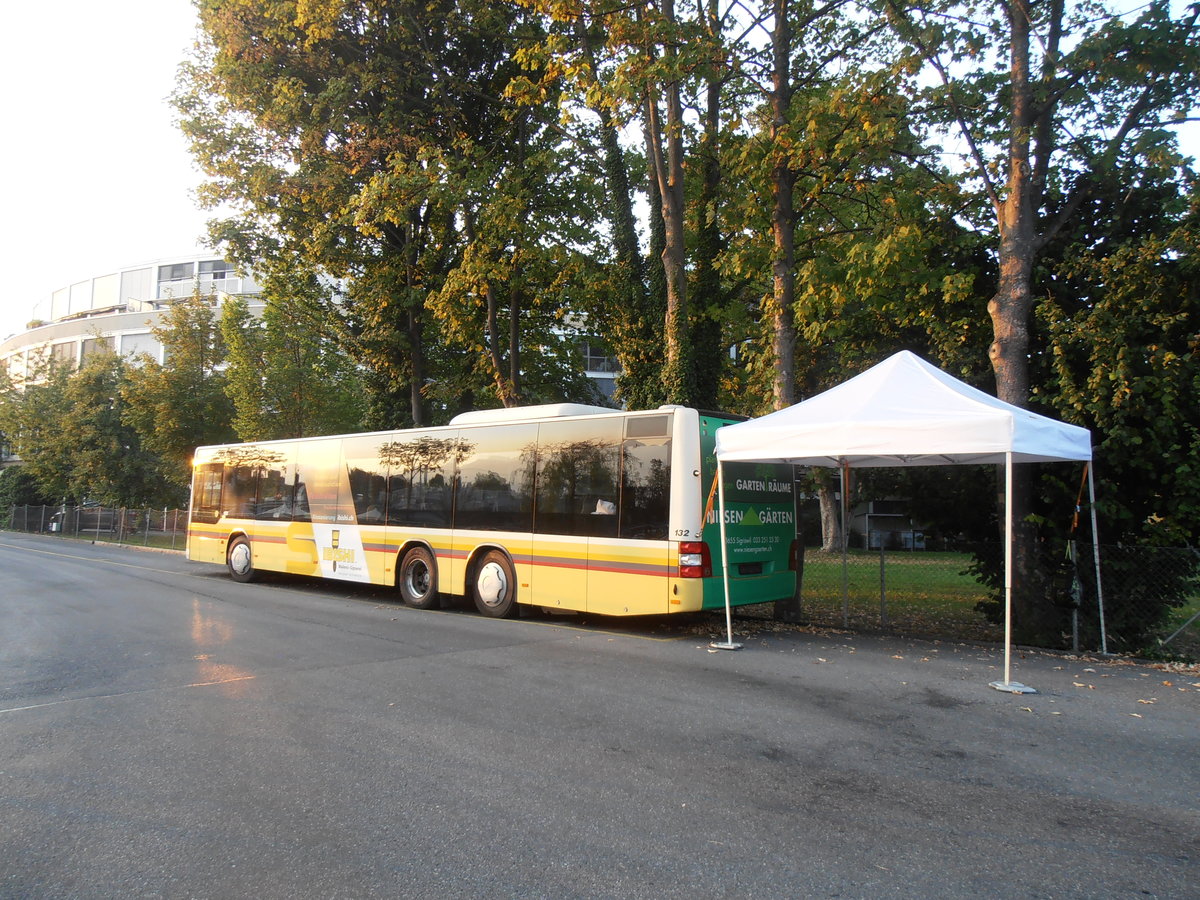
(181,404)
(882,264)
(31,416)
(385,149)
(287,376)
(18,487)
(74,440)
(1120,320)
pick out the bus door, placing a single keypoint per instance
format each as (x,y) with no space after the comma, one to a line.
(576,514)
(629,553)
(331,523)
(493,500)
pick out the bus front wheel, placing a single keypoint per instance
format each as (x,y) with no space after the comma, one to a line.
(240,560)
(495,588)
(418,579)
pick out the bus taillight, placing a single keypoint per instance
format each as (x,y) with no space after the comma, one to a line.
(695,561)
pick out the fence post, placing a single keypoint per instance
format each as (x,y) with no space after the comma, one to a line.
(42,527)
(845,544)
(174,526)
(883,615)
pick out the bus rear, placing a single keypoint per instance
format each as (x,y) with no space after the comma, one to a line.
(760,526)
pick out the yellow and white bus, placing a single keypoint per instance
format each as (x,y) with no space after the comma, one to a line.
(562,506)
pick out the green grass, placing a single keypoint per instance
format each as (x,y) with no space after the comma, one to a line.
(1187,644)
(919,592)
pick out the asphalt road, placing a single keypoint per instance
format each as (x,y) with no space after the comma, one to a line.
(165,732)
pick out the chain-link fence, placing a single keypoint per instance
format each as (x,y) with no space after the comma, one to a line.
(165,528)
(907,591)
(1151,596)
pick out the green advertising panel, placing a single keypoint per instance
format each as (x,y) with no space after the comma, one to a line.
(760,525)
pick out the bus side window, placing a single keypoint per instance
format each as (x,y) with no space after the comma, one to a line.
(645,488)
(240,489)
(274,496)
(421,470)
(494,487)
(206,490)
(577,468)
(300,510)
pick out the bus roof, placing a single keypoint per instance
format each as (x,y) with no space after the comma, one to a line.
(523,413)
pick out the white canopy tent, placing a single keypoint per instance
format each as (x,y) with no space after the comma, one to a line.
(906,412)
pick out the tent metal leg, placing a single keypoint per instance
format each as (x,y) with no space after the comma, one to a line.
(845,544)
(728,643)
(1008,685)
(1091,468)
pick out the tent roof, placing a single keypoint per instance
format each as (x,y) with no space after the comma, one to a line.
(902,412)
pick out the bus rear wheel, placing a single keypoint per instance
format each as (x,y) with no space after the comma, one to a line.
(495,587)
(240,560)
(418,579)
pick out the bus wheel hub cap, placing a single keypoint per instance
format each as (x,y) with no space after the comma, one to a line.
(240,558)
(418,579)
(491,584)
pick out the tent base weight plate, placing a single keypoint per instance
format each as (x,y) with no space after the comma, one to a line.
(725,645)
(1013,687)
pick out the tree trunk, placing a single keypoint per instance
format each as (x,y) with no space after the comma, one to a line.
(514,343)
(831,531)
(705,300)
(416,341)
(668,168)
(634,331)
(416,327)
(1010,307)
(783,293)
(650,392)
(620,202)
(1010,310)
(505,391)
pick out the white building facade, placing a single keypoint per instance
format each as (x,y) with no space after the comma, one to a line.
(116,312)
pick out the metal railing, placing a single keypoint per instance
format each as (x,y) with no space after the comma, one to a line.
(164,528)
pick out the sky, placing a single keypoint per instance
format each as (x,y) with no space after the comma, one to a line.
(96,174)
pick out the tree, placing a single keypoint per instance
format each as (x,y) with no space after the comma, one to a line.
(18,487)
(1043,128)
(1123,358)
(286,377)
(182,403)
(643,65)
(663,84)
(783,214)
(29,416)
(1048,100)
(73,439)
(361,141)
(625,301)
